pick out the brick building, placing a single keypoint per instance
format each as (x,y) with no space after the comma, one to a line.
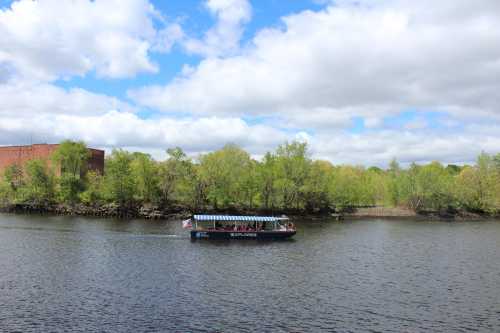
(19,155)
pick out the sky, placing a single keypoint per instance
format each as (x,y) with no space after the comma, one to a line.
(361,82)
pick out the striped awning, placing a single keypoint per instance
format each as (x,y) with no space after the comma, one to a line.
(237,218)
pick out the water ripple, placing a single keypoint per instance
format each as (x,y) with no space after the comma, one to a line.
(91,275)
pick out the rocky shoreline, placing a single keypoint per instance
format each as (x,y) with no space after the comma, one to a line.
(98,210)
(152,212)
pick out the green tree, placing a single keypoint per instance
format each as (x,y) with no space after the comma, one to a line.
(435,186)
(94,192)
(249,184)
(477,186)
(316,188)
(346,187)
(293,164)
(6,193)
(13,176)
(223,171)
(178,179)
(71,159)
(40,186)
(145,174)
(378,182)
(267,174)
(119,182)
(396,180)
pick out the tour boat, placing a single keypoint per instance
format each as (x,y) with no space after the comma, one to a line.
(239,227)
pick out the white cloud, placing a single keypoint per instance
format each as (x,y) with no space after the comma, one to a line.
(50,39)
(224,37)
(370,61)
(307,80)
(379,147)
(43,112)
(26,99)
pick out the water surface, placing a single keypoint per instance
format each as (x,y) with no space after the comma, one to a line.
(81,274)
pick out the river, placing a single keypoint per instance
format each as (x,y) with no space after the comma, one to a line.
(82,274)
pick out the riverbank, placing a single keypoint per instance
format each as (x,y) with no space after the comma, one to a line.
(152,212)
(99,210)
(403,212)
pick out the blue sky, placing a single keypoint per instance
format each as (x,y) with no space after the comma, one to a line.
(195,20)
(360,81)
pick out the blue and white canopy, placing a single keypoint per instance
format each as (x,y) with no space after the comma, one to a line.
(238,218)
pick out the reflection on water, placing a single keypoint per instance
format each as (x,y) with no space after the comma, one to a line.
(81,274)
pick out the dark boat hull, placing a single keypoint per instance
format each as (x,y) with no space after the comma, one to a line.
(260,235)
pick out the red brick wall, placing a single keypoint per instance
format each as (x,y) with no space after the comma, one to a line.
(21,154)
(96,161)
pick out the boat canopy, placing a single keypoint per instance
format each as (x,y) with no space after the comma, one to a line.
(238,218)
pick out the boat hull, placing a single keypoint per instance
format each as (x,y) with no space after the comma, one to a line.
(260,235)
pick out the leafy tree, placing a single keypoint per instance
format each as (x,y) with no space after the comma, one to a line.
(6,193)
(178,179)
(345,187)
(13,176)
(94,188)
(119,182)
(222,171)
(70,188)
(70,158)
(145,174)
(477,186)
(434,184)
(396,181)
(496,162)
(249,184)
(453,169)
(316,188)
(267,175)
(293,166)
(378,184)
(40,186)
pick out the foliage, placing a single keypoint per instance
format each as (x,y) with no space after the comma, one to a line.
(145,174)
(224,172)
(39,184)
(230,178)
(119,182)
(94,188)
(293,165)
(13,176)
(6,193)
(177,179)
(70,160)
(478,187)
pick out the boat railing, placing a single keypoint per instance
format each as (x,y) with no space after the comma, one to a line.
(239,223)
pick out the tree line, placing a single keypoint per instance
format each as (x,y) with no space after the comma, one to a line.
(285,179)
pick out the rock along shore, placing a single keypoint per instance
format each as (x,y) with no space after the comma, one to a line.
(152,212)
